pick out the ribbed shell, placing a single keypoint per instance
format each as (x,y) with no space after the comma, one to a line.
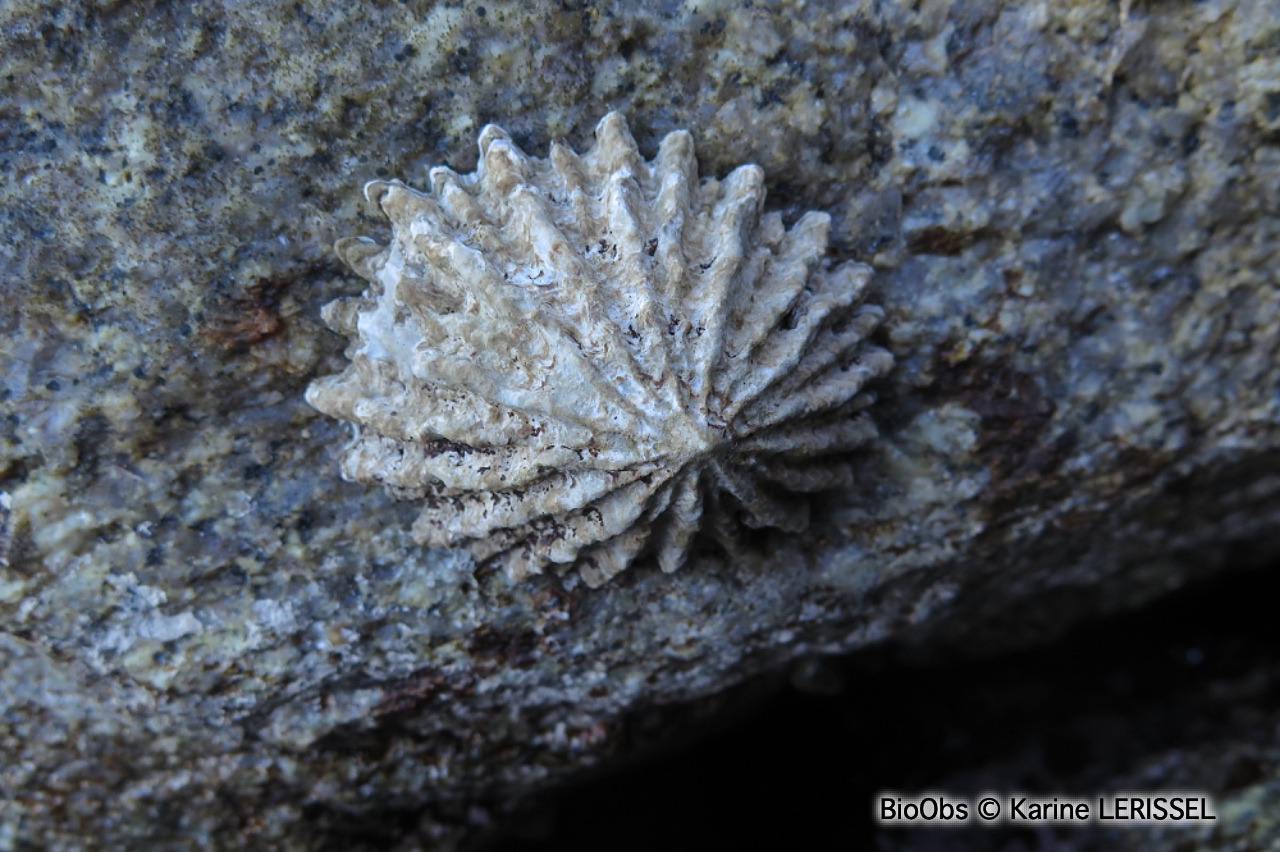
(580,360)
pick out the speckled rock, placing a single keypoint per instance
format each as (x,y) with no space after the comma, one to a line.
(1072,211)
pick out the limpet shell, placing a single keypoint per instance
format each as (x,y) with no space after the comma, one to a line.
(577,361)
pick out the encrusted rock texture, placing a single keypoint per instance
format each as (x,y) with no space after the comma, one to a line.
(208,640)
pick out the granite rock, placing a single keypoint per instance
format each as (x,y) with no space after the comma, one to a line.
(205,639)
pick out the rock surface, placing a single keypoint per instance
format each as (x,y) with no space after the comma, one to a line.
(208,640)
(1180,694)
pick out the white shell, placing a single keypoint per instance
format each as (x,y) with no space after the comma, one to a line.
(580,360)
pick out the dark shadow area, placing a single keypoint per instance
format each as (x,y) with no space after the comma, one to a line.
(1197,672)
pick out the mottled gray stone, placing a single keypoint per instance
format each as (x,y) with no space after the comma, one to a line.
(208,640)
